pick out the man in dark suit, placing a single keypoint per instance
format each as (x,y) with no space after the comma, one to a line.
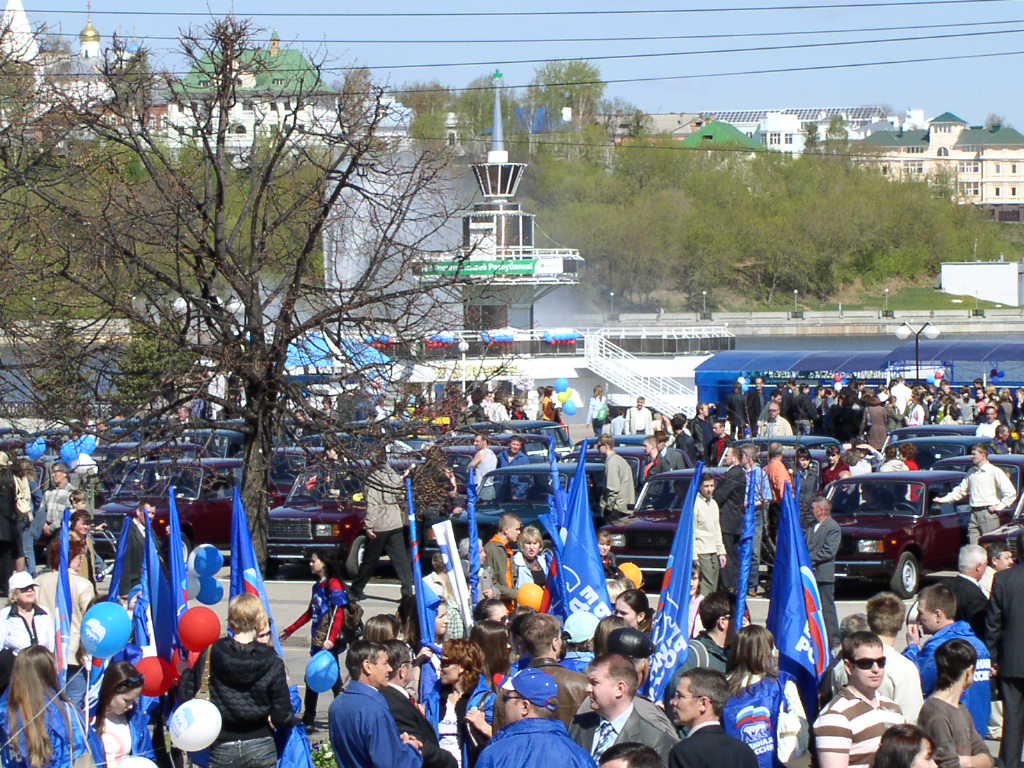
(823,539)
(1004,633)
(698,702)
(971,603)
(613,719)
(756,401)
(736,409)
(407,715)
(731,497)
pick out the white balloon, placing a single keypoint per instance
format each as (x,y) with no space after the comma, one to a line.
(193,584)
(195,725)
(135,762)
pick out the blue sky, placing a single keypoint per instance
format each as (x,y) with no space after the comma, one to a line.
(970,88)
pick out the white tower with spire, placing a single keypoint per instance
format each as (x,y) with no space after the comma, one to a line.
(90,39)
(17,42)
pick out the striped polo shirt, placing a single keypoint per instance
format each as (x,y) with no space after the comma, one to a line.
(850,725)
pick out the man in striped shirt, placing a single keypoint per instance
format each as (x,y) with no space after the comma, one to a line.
(849,729)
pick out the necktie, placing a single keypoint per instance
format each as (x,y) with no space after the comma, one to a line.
(602,739)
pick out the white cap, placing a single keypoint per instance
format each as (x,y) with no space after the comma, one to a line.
(20,580)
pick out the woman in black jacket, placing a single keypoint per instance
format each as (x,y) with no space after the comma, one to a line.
(10,531)
(247,683)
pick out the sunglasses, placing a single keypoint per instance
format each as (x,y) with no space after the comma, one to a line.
(129,683)
(868,663)
(446,662)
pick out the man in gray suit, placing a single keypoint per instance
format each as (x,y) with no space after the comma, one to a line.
(612,681)
(823,539)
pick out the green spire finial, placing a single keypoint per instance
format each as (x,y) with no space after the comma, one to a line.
(497,74)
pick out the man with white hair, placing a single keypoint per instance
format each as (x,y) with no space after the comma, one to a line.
(971,603)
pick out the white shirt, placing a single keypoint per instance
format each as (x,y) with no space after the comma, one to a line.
(640,421)
(619,426)
(488,462)
(986,429)
(14,632)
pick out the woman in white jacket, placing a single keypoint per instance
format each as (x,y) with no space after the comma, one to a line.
(531,561)
(24,622)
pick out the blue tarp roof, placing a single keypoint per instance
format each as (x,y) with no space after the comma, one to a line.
(975,350)
(315,351)
(795,360)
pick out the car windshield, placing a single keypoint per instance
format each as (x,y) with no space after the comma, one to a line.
(532,488)
(286,467)
(152,479)
(320,483)
(929,453)
(660,495)
(898,498)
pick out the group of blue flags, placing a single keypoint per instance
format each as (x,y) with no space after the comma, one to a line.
(428,603)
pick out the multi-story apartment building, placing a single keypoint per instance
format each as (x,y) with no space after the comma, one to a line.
(984,165)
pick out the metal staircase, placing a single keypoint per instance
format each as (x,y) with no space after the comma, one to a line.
(618,367)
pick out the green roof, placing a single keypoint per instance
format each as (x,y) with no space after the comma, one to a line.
(1004,136)
(260,72)
(720,134)
(897,139)
(948,117)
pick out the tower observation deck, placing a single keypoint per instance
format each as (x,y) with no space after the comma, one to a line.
(498,242)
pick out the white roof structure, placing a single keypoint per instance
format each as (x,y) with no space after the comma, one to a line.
(17,41)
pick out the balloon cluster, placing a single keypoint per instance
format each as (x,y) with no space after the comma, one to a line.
(565,394)
(73,449)
(995,373)
(204,563)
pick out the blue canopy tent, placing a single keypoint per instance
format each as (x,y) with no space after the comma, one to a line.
(965,360)
(315,358)
(715,376)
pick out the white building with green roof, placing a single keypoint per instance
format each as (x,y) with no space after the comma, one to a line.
(985,163)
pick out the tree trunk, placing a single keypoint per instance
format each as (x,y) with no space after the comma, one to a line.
(256,480)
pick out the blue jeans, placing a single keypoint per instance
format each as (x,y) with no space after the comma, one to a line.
(250,753)
(76,686)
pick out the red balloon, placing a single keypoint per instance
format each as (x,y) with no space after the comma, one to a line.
(158,675)
(199,628)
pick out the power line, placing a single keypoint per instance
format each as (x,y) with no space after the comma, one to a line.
(463,14)
(640,38)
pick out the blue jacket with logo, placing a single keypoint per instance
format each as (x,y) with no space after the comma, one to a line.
(364,734)
(753,718)
(534,742)
(978,697)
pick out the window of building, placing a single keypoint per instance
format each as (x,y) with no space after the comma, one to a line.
(999,167)
(969,188)
(996,192)
(943,152)
(914,150)
(1013,167)
(968,166)
(885,170)
(774,139)
(915,168)
(789,138)
(247,106)
(278,81)
(1013,191)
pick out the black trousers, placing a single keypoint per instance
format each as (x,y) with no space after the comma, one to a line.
(394,543)
(309,703)
(828,607)
(1013,721)
(728,576)
(9,551)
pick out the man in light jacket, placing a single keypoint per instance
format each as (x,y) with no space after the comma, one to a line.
(385,528)
(619,486)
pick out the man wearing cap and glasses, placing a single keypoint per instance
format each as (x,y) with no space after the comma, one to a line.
(533,735)
(849,730)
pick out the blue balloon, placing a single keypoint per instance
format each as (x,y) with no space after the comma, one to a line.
(36,448)
(69,455)
(207,560)
(561,385)
(569,408)
(211,591)
(322,671)
(1002,374)
(106,628)
(87,444)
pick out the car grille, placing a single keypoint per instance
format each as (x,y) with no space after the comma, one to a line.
(649,540)
(291,528)
(847,548)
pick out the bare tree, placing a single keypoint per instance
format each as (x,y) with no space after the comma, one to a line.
(190,212)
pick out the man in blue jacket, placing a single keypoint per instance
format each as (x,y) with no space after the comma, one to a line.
(514,487)
(533,735)
(935,611)
(363,731)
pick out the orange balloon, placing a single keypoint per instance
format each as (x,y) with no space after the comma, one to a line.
(632,572)
(530,595)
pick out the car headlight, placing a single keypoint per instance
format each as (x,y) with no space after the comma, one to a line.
(618,539)
(870,545)
(324,530)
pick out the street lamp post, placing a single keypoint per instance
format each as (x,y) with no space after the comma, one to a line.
(611,304)
(704,302)
(463,348)
(905,331)
(886,307)
(795,292)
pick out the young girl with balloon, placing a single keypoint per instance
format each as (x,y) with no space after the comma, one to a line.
(326,613)
(122,720)
(39,727)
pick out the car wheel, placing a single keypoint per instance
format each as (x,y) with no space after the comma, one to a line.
(907,576)
(355,557)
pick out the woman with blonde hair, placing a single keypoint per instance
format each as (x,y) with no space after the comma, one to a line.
(597,410)
(248,686)
(24,622)
(755,681)
(39,727)
(532,561)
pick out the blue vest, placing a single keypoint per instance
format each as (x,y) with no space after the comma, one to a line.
(753,717)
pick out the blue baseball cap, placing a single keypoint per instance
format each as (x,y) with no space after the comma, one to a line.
(539,688)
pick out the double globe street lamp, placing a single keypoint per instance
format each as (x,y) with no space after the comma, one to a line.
(905,331)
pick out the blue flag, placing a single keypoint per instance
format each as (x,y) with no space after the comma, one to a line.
(581,585)
(427,604)
(474,538)
(745,551)
(558,501)
(178,566)
(795,615)
(246,576)
(158,592)
(62,644)
(671,633)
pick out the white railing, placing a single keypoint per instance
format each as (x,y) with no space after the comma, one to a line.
(618,367)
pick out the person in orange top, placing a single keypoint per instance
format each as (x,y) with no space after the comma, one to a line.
(498,553)
(778,474)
